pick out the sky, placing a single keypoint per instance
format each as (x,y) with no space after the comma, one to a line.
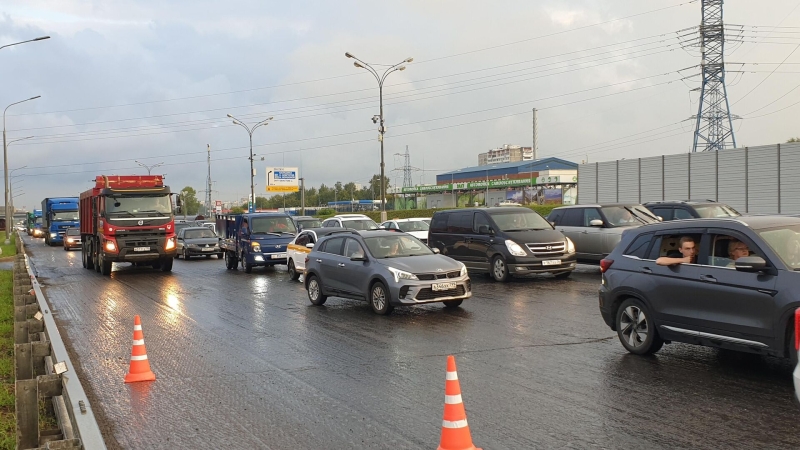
(122,81)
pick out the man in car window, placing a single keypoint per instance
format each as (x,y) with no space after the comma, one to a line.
(685,255)
(736,250)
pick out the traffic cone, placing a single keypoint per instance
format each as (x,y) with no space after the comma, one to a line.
(455,431)
(140,366)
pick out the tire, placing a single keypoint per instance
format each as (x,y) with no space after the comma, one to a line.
(248,268)
(793,356)
(634,321)
(220,255)
(83,255)
(499,269)
(314,290)
(453,303)
(166,265)
(563,275)
(89,260)
(208,256)
(379,299)
(185,254)
(156,265)
(66,249)
(96,257)
(293,274)
(105,266)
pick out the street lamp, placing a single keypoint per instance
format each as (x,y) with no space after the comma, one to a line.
(382,129)
(250,131)
(149,168)
(5,160)
(23,42)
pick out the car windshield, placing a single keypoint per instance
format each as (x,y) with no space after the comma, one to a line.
(65,215)
(360,224)
(142,206)
(396,246)
(310,223)
(711,211)
(278,224)
(785,241)
(519,220)
(626,216)
(413,225)
(38,220)
(73,232)
(198,234)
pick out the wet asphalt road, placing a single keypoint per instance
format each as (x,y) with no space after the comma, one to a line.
(245,361)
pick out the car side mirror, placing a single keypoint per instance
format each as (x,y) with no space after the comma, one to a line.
(381,227)
(485,229)
(596,223)
(358,258)
(660,219)
(750,264)
(552,223)
(435,251)
(309,245)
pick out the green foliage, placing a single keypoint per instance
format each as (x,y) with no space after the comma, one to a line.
(7,421)
(237,210)
(326,212)
(191,205)
(794,139)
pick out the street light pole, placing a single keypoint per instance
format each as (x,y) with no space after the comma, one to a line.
(149,168)
(250,131)
(5,162)
(23,42)
(382,129)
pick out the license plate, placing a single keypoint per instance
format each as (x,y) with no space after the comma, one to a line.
(552,262)
(208,249)
(278,256)
(141,249)
(443,286)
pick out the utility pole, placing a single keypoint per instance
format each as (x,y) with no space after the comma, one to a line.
(208,195)
(713,122)
(535,136)
(302,196)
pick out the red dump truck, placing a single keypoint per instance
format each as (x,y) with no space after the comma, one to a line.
(127,218)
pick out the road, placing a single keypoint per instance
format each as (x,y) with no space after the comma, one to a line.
(245,361)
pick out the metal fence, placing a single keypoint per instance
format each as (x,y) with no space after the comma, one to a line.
(764,179)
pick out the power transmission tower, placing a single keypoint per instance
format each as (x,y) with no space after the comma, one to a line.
(714,125)
(407,182)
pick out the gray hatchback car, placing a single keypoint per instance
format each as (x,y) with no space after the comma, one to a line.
(739,293)
(387,269)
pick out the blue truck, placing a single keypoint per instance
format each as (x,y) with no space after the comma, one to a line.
(58,214)
(35,223)
(255,239)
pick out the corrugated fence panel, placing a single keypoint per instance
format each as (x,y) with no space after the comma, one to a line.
(651,179)
(703,176)
(790,178)
(732,178)
(763,179)
(676,177)
(587,189)
(607,182)
(629,181)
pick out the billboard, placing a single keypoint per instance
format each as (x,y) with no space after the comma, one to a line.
(282,179)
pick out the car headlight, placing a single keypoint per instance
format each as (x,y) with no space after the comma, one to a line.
(463,270)
(514,248)
(70,240)
(255,247)
(402,275)
(570,246)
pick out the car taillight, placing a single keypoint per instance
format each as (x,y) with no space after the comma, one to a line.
(605,264)
(797,329)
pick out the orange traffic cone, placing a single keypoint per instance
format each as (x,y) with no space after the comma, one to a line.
(140,366)
(455,431)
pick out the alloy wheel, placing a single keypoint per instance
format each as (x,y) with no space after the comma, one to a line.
(634,326)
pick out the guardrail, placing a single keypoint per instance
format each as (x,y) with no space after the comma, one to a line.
(43,372)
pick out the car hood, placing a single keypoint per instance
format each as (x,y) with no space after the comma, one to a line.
(418,234)
(535,236)
(202,241)
(422,264)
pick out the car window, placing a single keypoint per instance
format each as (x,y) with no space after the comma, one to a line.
(664,213)
(681,214)
(711,211)
(519,219)
(785,241)
(333,246)
(480,221)
(573,217)
(413,225)
(555,216)
(352,249)
(625,216)
(396,246)
(724,249)
(590,214)
(303,239)
(639,246)
(669,245)
(198,234)
(460,222)
(439,223)
(73,232)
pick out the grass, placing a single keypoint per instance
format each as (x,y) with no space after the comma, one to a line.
(8,250)
(8,425)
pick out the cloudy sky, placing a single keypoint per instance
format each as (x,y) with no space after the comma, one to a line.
(153,81)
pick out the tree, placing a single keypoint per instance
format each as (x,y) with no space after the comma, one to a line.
(237,210)
(794,139)
(190,203)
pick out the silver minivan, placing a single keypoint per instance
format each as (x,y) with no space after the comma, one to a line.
(597,229)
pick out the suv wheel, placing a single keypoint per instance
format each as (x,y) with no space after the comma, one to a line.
(499,269)
(314,289)
(636,329)
(379,299)
(452,303)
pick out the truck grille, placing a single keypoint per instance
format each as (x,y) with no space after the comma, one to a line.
(548,249)
(131,243)
(439,276)
(430,294)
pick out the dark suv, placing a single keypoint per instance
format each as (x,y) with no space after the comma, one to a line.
(691,209)
(739,293)
(503,241)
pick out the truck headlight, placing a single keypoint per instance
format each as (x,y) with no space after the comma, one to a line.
(52,235)
(255,247)
(111,246)
(402,275)
(570,246)
(170,244)
(514,248)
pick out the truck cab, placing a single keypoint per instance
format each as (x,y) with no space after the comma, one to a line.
(35,223)
(255,239)
(59,214)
